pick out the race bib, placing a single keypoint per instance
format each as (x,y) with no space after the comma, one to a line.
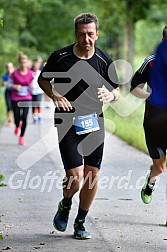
(23,91)
(9,83)
(86,123)
(35,90)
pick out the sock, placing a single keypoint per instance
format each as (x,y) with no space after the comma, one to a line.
(67,202)
(151,182)
(81,215)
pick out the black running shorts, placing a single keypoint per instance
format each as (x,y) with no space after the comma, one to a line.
(86,149)
(155,127)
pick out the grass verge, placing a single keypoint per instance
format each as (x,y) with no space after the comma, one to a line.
(2,107)
(129,128)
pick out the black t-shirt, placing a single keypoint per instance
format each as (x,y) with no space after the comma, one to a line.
(83,95)
(142,75)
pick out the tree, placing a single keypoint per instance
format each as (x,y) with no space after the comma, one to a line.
(45,25)
(134,11)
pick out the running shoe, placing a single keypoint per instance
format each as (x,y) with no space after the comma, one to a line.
(61,218)
(147,191)
(22,141)
(80,231)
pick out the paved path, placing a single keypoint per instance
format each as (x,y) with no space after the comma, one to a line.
(118,220)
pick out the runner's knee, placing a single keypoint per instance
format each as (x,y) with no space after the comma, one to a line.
(72,182)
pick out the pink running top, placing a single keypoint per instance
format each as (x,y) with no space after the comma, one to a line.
(24,80)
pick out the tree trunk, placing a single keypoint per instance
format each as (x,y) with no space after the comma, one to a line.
(129,36)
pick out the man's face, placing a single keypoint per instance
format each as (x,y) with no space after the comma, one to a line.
(86,35)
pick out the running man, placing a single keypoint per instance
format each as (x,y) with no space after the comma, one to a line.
(156,152)
(84,139)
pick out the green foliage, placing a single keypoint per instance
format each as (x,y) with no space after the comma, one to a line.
(137,10)
(1,179)
(1,16)
(46,25)
(157,13)
(138,61)
(1,236)
(147,41)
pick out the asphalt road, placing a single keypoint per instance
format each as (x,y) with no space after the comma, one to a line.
(118,220)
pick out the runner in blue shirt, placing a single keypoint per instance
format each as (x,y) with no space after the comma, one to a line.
(8,82)
(154,109)
(155,122)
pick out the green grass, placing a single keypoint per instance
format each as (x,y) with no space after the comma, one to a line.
(1,236)
(2,107)
(138,60)
(129,128)
(1,179)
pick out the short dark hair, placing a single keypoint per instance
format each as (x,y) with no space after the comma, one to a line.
(164,32)
(86,18)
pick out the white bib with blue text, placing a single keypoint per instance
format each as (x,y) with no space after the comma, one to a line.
(86,123)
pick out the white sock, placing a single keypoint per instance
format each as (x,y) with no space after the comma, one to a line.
(152,181)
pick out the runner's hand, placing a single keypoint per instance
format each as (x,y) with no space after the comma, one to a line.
(17,87)
(105,95)
(62,102)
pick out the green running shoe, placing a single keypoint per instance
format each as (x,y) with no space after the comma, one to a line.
(80,231)
(147,191)
(60,220)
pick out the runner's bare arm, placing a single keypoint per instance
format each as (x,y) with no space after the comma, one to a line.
(58,99)
(140,92)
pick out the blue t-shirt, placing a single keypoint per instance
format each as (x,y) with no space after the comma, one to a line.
(9,81)
(158,96)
